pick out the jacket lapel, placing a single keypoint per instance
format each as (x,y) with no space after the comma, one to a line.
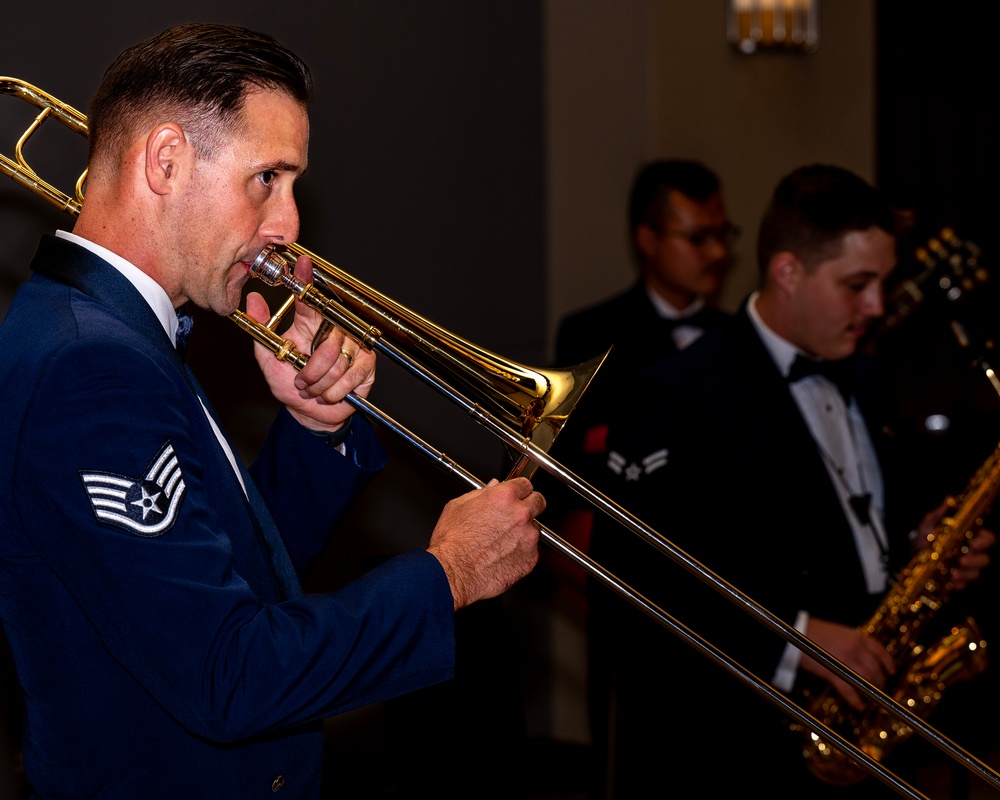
(75,266)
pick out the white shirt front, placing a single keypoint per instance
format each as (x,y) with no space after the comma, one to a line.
(849,456)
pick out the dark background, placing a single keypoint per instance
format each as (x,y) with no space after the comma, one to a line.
(936,154)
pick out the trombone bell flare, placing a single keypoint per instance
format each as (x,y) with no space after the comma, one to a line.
(566,387)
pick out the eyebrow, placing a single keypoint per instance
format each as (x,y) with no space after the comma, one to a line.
(866,275)
(283,166)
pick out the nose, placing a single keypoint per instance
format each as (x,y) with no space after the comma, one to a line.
(716,249)
(875,300)
(281,221)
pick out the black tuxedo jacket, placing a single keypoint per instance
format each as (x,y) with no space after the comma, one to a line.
(716,457)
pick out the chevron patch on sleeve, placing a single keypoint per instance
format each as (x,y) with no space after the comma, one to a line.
(632,471)
(146,505)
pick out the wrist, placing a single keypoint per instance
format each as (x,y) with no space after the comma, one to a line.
(335,438)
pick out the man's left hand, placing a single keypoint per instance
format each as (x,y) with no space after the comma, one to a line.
(337,367)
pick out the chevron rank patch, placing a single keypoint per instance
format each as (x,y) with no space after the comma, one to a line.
(632,471)
(146,505)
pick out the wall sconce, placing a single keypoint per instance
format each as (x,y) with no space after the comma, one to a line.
(788,26)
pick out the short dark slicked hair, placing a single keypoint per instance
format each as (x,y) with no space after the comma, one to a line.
(814,207)
(653,183)
(199,75)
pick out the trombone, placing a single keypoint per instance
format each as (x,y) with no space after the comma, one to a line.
(523,406)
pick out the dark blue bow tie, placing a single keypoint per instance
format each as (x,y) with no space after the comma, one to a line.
(837,372)
(185,322)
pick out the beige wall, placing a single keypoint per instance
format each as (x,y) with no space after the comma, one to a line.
(639,79)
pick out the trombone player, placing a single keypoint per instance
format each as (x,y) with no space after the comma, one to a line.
(149,579)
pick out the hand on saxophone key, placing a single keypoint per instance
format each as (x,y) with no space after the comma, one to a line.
(862,653)
(975,559)
(976,556)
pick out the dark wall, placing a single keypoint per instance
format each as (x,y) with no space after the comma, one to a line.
(936,115)
(937,155)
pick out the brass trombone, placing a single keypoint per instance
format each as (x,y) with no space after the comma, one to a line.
(523,406)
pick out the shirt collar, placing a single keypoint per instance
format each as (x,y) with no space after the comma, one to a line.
(782,351)
(668,311)
(150,290)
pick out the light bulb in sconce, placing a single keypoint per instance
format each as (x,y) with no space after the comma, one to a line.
(790,26)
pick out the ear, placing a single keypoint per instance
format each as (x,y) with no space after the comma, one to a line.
(165,145)
(785,269)
(646,240)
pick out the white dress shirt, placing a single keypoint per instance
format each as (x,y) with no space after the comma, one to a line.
(847,451)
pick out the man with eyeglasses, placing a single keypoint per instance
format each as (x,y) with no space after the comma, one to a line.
(681,238)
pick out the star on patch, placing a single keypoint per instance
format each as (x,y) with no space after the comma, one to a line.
(633,471)
(146,505)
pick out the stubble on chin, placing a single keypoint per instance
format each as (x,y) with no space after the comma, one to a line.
(231,295)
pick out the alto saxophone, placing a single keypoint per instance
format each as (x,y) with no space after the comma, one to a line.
(922,672)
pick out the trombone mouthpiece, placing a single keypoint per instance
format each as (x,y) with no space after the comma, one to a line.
(270,267)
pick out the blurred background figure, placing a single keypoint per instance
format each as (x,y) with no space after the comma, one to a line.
(680,234)
(680,237)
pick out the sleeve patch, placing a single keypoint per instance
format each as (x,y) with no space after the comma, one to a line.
(146,505)
(633,471)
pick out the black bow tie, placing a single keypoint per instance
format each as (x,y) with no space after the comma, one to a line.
(185,322)
(695,320)
(837,372)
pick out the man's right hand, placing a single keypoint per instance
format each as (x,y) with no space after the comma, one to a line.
(862,653)
(487,539)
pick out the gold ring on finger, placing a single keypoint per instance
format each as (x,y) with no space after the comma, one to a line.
(348,356)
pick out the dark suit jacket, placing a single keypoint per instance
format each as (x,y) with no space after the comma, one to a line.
(717,457)
(638,336)
(154,613)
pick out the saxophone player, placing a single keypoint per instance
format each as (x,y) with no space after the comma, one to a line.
(760,457)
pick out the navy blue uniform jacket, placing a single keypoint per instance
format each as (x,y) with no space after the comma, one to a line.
(159,632)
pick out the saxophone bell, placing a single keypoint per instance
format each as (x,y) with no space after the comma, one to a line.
(959,655)
(923,672)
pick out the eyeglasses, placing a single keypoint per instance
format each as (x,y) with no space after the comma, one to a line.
(725,235)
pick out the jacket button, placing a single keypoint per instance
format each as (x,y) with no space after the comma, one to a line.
(277,783)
